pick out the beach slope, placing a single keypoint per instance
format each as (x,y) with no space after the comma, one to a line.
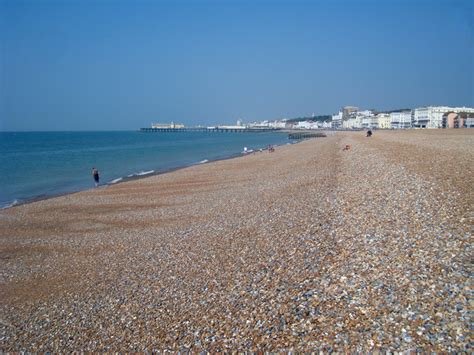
(311,247)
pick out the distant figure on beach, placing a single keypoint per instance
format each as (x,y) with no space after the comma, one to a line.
(95,174)
(270,148)
(347,147)
(369,133)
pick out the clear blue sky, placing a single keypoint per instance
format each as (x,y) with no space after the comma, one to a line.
(94,65)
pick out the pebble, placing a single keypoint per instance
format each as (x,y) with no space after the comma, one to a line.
(309,248)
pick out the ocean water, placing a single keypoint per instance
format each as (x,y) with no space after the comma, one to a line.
(44,164)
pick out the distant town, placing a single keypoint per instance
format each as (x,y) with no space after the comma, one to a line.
(353,118)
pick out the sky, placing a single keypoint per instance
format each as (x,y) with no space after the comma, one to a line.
(123,64)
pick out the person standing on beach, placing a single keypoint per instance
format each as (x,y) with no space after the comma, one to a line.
(95,174)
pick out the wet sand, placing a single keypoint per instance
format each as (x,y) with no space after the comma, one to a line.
(307,248)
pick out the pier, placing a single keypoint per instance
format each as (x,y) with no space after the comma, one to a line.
(210,129)
(223,129)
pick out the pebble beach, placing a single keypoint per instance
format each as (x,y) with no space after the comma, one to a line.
(308,248)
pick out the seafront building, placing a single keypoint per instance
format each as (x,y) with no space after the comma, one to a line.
(452,120)
(167,125)
(366,118)
(401,119)
(337,120)
(384,121)
(350,117)
(432,116)
(326,124)
(229,127)
(369,120)
(365,122)
(264,124)
(458,120)
(470,121)
(350,123)
(306,125)
(357,121)
(278,124)
(347,111)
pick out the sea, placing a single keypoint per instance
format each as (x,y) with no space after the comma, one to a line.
(38,165)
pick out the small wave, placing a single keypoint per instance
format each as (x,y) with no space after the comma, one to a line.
(114,181)
(11,204)
(203,161)
(141,173)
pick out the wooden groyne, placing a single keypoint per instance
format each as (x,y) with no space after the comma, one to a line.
(304,135)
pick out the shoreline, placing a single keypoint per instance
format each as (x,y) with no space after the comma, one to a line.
(135,176)
(310,248)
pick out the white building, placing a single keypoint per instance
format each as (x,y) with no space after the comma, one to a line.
(365,113)
(167,125)
(357,122)
(384,121)
(326,124)
(348,124)
(277,123)
(229,127)
(432,116)
(373,121)
(368,120)
(306,125)
(337,120)
(263,124)
(470,122)
(429,117)
(401,119)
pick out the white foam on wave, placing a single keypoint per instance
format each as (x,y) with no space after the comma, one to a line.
(114,181)
(203,161)
(11,204)
(141,173)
